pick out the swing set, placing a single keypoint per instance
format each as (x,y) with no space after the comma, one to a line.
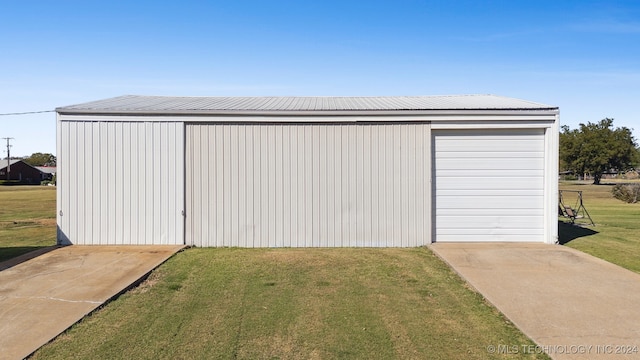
(578,211)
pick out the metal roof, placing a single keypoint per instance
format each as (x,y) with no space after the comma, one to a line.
(3,163)
(47,169)
(11,162)
(137,104)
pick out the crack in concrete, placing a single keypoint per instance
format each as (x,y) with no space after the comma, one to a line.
(56,299)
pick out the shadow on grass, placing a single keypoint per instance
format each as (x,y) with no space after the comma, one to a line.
(568,232)
(12,256)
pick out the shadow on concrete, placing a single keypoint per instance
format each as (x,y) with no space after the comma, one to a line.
(16,255)
(568,232)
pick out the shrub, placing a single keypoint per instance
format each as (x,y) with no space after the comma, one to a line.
(629,193)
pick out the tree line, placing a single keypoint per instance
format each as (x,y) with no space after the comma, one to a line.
(598,148)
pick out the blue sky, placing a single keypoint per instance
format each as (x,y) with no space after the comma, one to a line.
(583,56)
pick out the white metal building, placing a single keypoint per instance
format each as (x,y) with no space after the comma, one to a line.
(307,171)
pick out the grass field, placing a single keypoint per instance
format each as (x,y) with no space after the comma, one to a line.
(27,219)
(294,304)
(616,236)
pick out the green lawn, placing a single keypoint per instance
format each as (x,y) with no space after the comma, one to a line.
(294,304)
(27,219)
(617,231)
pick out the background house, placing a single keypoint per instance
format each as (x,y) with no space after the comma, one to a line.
(21,171)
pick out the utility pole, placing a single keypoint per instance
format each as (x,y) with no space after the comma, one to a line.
(8,157)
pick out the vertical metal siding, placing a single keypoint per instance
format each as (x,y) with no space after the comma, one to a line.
(304,185)
(120,182)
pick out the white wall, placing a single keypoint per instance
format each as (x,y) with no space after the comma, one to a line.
(321,185)
(120,182)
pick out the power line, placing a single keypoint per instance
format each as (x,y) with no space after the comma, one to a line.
(27,113)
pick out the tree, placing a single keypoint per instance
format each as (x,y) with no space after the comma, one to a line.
(40,159)
(597,148)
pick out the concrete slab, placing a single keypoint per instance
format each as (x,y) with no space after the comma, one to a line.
(573,305)
(42,297)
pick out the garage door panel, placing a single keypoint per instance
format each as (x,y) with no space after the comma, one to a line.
(472,232)
(488,185)
(489,202)
(498,163)
(485,144)
(490,154)
(495,191)
(497,212)
(442,173)
(491,222)
(493,134)
(503,135)
(482,237)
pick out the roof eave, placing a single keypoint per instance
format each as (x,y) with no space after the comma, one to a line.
(501,111)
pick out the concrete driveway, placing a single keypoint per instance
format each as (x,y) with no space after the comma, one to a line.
(43,296)
(573,305)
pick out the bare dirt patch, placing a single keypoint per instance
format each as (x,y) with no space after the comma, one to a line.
(148,283)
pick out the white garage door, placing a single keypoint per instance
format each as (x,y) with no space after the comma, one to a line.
(488,185)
